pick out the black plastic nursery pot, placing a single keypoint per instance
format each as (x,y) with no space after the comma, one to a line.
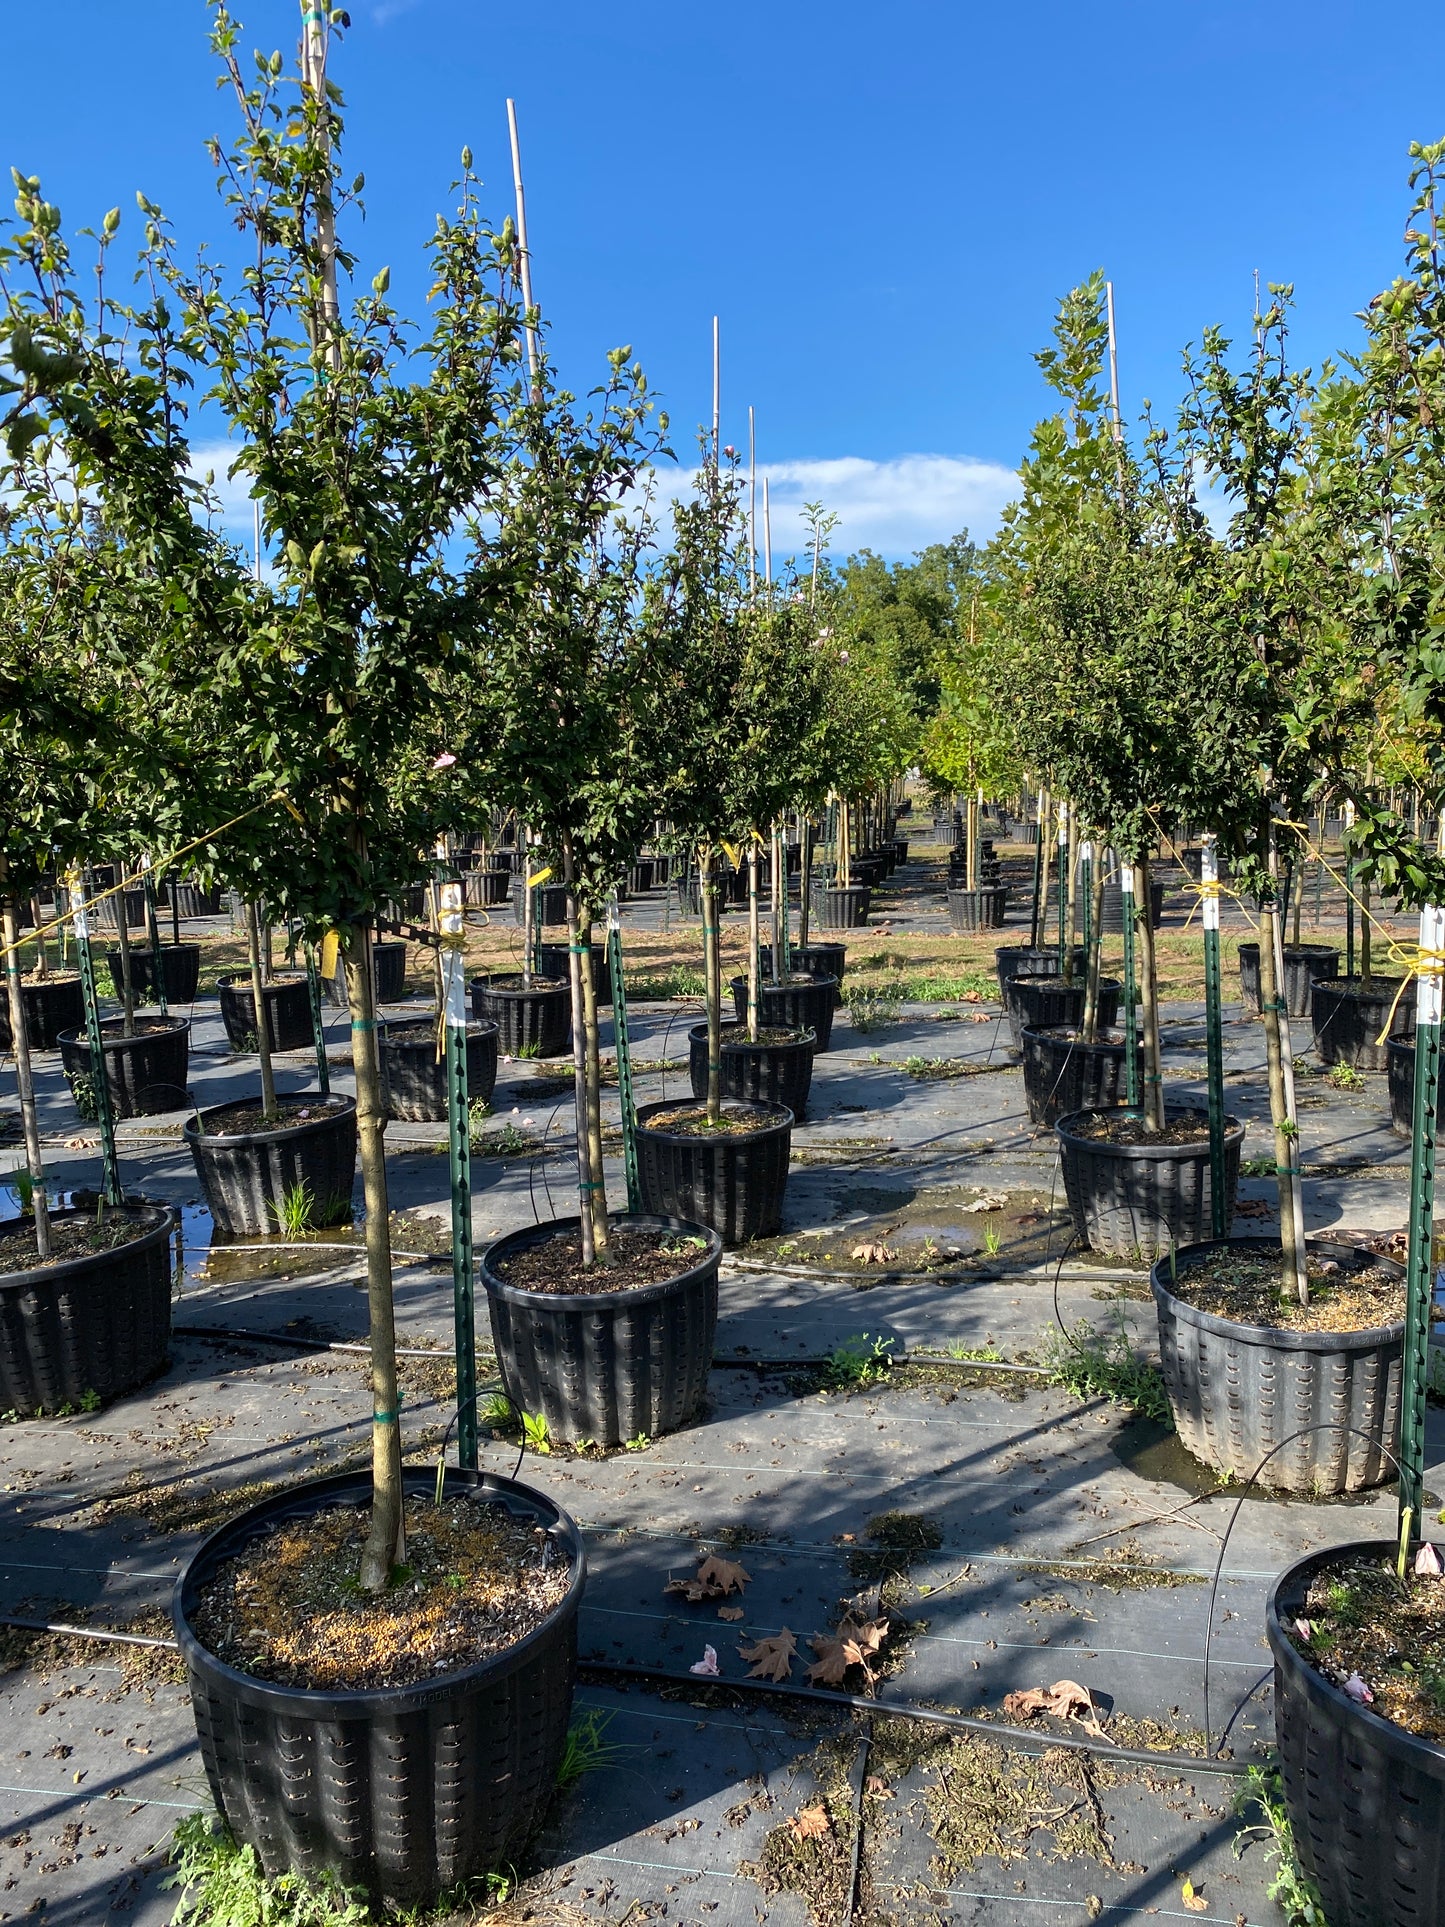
(1304,964)
(817,959)
(607,1365)
(51,1005)
(1400,1071)
(90,1327)
(556,961)
(485,889)
(977,909)
(532,1021)
(193,900)
(388,975)
(402,1791)
(843,909)
(641,876)
(286,1002)
(803,1003)
(1350,1021)
(1238,1391)
(414,1077)
(1113,920)
(775,1072)
(900,850)
(1034,960)
(1062,1073)
(551,902)
(1365,1797)
(146,1073)
(1041,1003)
(1136,1200)
(252,1178)
(180,972)
(732,1182)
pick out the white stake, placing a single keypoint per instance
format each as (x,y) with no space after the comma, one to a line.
(716,396)
(523,249)
(767,536)
(752,503)
(313,70)
(1113,361)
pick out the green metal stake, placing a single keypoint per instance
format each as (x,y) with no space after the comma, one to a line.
(157,958)
(1131,1015)
(459,1147)
(100,1083)
(1214,1036)
(1086,889)
(1420,1286)
(1038,907)
(624,1058)
(318,1027)
(1063,886)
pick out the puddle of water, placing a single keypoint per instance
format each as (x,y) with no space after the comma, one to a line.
(1152,1451)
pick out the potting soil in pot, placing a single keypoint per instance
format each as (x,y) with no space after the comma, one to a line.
(1246,1287)
(247,1117)
(634,1259)
(69,1238)
(1382,1642)
(289,1608)
(691,1120)
(1117,1129)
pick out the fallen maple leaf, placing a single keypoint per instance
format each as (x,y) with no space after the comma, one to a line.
(771,1657)
(875,1252)
(730,1612)
(980,1017)
(714,1579)
(854,1644)
(812,1823)
(879,1788)
(1065,1699)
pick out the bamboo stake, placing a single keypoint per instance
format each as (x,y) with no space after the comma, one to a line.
(752,503)
(716,396)
(767,536)
(1118,420)
(524,253)
(313,71)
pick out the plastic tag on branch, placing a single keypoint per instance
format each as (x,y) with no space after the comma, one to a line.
(330,953)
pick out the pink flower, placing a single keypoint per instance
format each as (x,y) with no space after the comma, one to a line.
(1355,1687)
(445,760)
(707,1664)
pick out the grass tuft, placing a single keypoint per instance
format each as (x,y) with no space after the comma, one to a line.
(1104,1363)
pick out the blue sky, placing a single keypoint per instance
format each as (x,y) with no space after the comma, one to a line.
(882,203)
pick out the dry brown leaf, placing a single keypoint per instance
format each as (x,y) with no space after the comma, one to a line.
(772,1657)
(730,1612)
(874,1253)
(812,1823)
(1065,1699)
(878,1787)
(714,1579)
(1195,1902)
(854,1644)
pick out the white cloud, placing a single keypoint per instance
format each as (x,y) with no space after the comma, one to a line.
(893,506)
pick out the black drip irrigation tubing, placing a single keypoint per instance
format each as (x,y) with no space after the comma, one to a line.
(1017,1736)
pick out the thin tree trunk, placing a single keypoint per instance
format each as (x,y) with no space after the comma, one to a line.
(754,934)
(1298,877)
(24,1079)
(258,1006)
(1279,1058)
(1366,969)
(805,874)
(1071,935)
(1096,950)
(845,850)
(712,982)
(577,960)
(127,982)
(524,841)
(386,1542)
(1149,1001)
(780,902)
(1046,823)
(42,955)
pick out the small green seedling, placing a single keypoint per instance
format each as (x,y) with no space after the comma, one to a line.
(861,1360)
(991,1239)
(535,1434)
(587,1748)
(638,1444)
(1344,1077)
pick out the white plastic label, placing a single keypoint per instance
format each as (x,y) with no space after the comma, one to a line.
(454,981)
(1209,877)
(1126,879)
(1086,851)
(1432,942)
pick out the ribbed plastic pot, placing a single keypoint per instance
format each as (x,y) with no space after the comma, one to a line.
(869,871)
(146,1073)
(1238,1391)
(551,902)
(180,971)
(414,1078)
(607,1365)
(535,1021)
(796,1006)
(1349,1020)
(817,959)
(977,909)
(763,1073)
(1365,1798)
(732,1182)
(1062,1073)
(51,1005)
(403,1791)
(487,888)
(1304,963)
(248,1175)
(1113,922)
(1033,960)
(1400,1071)
(1136,1200)
(194,901)
(96,1326)
(286,1002)
(106,908)
(640,876)
(1043,1003)
(840,909)
(388,976)
(556,961)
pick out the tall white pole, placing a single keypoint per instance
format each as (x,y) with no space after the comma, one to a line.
(752,502)
(1113,361)
(716,395)
(523,249)
(767,536)
(313,67)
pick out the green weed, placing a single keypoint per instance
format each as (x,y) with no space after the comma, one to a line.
(294,1212)
(868,1011)
(656,986)
(857,1361)
(535,1434)
(90,1400)
(478,1111)
(221,1885)
(991,1239)
(587,1748)
(498,1414)
(639,1444)
(1345,1077)
(1087,1362)
(1291,1890)
(1256,1167)
(507,1142)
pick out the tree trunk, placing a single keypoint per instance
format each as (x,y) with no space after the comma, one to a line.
(579,960)
(712,982)
(845,851)
(127,982)
(754,936)
(971,830)
(42,955)
(780,899)
(1366,970)
(1096,951)
(24,1080)
(1072,919)
(1046,841)
(386,1542)
(258,1006)
(1279,1056)
(805,874)
(528,906)
(1148,1001)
